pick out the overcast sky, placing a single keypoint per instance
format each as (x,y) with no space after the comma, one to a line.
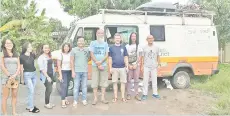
(54,10)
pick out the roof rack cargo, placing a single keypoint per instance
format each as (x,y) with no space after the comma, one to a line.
(181,13)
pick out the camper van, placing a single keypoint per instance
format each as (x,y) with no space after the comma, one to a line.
(187,40)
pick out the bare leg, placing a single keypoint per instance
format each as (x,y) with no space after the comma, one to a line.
(95,95)
(115,91)
(5,95)
(123,91)
(14,100)
(102,94)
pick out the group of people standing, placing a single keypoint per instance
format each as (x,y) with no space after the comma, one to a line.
(125,63)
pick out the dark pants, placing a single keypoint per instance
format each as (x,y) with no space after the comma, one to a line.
(66,76)
(49,87)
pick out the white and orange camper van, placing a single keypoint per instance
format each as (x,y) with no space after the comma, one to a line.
(188,44)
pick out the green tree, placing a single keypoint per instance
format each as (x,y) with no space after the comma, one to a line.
(84,8)
(31,26)
(221,19)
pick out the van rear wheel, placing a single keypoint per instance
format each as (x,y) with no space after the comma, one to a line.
(181,80)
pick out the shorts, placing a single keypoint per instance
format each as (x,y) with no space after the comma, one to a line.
(119,73)
(99,78)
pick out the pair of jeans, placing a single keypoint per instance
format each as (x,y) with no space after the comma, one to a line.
(135,75)
(49,88)
(30,79)
(150,72)
(81,78)
(66,76)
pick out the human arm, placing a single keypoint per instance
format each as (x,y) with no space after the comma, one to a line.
(110,60)
(59,62)
(4,70)
(72,63)
(42,67)
(126,60)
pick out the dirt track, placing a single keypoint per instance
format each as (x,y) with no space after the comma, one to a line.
(172,102)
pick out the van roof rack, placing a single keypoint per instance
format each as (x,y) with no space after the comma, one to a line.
(179,12)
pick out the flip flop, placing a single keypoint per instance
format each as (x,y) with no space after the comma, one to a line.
(114,100)
(35,110)
(63,106)
(123,100)
(104,101)
(94,102)
(67,102)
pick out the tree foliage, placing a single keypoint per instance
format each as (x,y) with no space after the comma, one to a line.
(221,19)
(84,8)
(33,27)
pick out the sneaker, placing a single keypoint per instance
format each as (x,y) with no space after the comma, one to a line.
(84,102)
(74,103)
(137,98)
(48,106)
(156,96)
(144,97)
(128,97)
(53,105)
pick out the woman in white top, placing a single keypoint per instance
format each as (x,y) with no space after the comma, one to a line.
(134,52)
(64,72)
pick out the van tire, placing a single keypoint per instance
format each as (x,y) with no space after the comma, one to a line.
(181,80)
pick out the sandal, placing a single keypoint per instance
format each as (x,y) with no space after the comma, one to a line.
(104,101)
(67,102)
(123,100)
(94,102)
(63,106)
(114,100)
(35,110)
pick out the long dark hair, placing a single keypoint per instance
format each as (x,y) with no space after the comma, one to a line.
(5,53)
(41,50)
(25,47)
(137,40)
(68,44)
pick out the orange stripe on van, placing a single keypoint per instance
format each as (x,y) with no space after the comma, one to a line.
(189,59)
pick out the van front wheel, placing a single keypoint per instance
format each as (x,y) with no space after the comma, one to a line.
(180,80)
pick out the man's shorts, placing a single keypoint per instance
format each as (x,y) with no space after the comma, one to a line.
(119,73)
(99,78)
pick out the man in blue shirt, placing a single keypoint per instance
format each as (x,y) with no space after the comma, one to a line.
(118,63)
(99,53)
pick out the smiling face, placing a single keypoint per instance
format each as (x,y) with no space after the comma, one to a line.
(117,39)
(150,39)
(9,44)
(100,35)
(133,38)
(46,49)
(66,48)
(81,42)
(29,48)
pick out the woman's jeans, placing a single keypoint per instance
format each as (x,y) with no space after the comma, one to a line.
(30,80)
(80,77)
(66,76)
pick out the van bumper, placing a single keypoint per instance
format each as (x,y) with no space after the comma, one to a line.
(215,72)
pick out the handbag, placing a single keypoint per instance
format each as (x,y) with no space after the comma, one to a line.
(12,83)
(133,58)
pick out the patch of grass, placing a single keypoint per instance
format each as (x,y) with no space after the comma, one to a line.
(219,85)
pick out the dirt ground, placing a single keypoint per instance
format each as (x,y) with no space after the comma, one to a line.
(179,102)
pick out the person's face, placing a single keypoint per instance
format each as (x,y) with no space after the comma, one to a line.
(117,39)
(134,38)
(46,49)
(9,44)
(80,42)
(29,48)
(66,48)
(150,39)
(100,35)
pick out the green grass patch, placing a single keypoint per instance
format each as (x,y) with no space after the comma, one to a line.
(218,85)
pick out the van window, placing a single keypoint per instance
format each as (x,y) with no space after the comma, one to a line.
(125,32)
(79,33)
(158,31)
(90,35)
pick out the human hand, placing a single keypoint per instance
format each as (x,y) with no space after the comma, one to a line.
(73,74)
(60,79)
(49,79)
(98,63)
(134,66)
(130,67)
